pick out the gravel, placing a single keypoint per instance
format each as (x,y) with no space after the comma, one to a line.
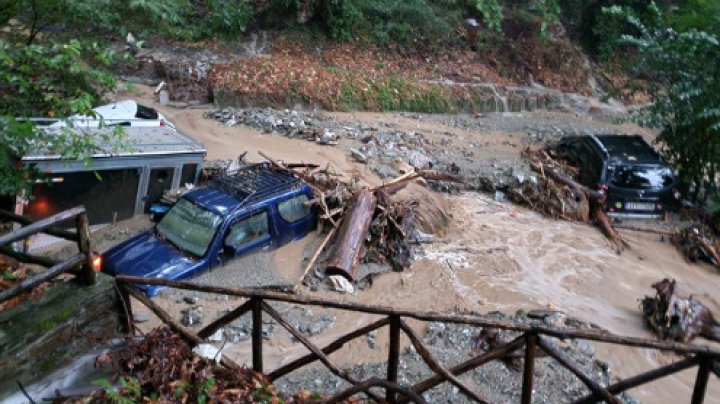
(497,381)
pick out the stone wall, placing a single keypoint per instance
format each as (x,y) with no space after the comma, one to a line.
(45,333)
(486,98)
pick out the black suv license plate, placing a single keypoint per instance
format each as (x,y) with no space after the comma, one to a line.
(639,206)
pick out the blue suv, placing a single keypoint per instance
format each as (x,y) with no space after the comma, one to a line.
(259,208)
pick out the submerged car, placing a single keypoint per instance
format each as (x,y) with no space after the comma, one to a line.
(259,208)
(637,181)
(120,113)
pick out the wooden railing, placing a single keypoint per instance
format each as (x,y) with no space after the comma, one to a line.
(80,264)
(533,337)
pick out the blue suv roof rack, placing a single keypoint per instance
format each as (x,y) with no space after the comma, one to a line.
(256,182)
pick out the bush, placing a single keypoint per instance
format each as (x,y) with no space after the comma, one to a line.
(409,24)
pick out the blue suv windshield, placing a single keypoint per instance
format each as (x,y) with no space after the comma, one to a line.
(641,176)
(189,227)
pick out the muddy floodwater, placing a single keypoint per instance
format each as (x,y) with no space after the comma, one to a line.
(494,256)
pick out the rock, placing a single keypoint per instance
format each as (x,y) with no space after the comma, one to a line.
(358,156)
(164,97)
(190,299)
(217,336)
(340,284)
(140,318)
(192,316)
(208,351)
(420,161)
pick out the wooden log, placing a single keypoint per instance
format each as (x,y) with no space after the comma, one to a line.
(53,231)
(393,357)
(701,381)
(596,198)
(125,303)
(257,336)
(473,363)
(528,368)
(651,231)
(29,283)
(641,379)
(365,386)
(603,222)
(435,366)
(40,225)
(560,177)
(312,348)
(330,348)
(87,272)
(346,252)
(28,258)
(164,316)
(570,365)
(224,320)
(319,251)
(475,320)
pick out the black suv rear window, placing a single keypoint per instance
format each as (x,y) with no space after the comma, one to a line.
(640,176)
(144,112)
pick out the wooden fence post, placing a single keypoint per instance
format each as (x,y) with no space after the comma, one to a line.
(701,381)
(393,356)
(529,367)
(257,334)
(87,272)
(126,316)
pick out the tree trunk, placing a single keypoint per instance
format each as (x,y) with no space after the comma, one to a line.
(350,239)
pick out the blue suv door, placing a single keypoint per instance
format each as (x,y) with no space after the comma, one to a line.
(249,232)
(294,218)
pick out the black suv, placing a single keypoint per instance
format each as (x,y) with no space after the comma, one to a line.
(637,181)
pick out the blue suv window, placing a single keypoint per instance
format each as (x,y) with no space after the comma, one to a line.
(294,208)
(247,230)
(189,227)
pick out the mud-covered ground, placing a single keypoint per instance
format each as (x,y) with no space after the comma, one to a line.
(494,256)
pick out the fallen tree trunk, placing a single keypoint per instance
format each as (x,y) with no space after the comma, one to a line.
(555,175)
(345,255)
(596,198)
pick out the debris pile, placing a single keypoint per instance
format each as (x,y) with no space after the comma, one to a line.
(678,318)
(367,223)
(559,195)
(289,123)
(161,367)
(697,243)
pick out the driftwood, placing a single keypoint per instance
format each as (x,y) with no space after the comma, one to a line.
(678,318)
(697,242)
(596,198)
(346,253)
(319,251)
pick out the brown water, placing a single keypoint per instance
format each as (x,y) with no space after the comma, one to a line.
(495,256)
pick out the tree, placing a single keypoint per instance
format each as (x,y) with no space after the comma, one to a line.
(48,80)
(29,18)
(684,77)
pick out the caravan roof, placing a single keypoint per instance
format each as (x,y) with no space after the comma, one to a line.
(143,141)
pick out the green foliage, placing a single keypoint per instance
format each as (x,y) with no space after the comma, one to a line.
(492,12)
(685,76)
(703,15)
(341,17)
(409,23)
(48,80)
(229,18)
(79,16)
(128,392)
(395,94)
